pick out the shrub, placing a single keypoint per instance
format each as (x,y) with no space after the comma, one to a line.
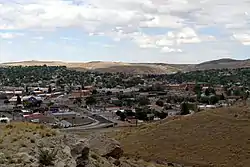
(46,157)
(9,126)
(94,156)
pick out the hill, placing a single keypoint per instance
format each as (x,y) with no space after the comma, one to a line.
(139,68)
(214,138)
(219,64)
(101,66)
(34,145)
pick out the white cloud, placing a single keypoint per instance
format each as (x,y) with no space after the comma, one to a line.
(108,46)
(166,41)
(69,39)
(94,14)
(7,35)
(126,20)
(169,50)
(164,21)
(38,38)
(243,38)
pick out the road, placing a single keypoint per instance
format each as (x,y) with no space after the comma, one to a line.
(100,121)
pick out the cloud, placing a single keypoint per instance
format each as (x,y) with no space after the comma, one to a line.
(108,46)
(166,42)
(7,35)
(69,39)
(96,14)
(243,38)
(169,50)
(175,26)
(38,38)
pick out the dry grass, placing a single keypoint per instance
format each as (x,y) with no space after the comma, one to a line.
(21,136)
(100,66)
(213,138)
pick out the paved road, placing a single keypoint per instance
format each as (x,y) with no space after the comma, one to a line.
(100,122)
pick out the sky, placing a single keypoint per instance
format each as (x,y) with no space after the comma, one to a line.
(166,31)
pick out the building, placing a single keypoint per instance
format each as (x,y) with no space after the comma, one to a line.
(177,87)
(80,93)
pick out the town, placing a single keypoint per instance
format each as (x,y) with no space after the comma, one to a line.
(75,100)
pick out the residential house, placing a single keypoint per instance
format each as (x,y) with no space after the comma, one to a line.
(80,93)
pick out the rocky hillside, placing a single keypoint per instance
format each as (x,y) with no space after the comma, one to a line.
(32,145)
(219,138)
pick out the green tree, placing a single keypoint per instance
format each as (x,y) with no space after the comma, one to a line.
(94,92)
(184,109)
(161,115)
(197,89)
(143,101)
(19,100)
(213,99)
(49,89)
(159,103)
(237,92)
(26,89)
(141,115)
(121,115)
(91,100)
(207,92)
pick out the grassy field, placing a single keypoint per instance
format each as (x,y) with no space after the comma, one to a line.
(214,138)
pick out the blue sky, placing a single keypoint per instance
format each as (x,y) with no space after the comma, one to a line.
(174,31)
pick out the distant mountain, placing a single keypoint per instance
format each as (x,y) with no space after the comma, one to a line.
(219,61)
(138,68)
(219,64)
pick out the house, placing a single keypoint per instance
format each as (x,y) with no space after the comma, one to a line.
(80,93)
(13,100)
(33,116)
(176,87)
(90,88)
(112,109)
(63,115)
(192,85)
(204,107)
(173,112)
(10,93)
(114,99)
(31,98)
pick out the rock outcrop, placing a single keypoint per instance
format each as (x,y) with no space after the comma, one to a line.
(31,145)
(106,147)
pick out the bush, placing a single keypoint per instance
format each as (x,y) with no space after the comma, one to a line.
(46,157)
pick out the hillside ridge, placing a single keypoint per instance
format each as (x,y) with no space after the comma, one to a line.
(141,68)
(212,138)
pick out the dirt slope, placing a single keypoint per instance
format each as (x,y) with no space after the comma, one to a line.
(214,138)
